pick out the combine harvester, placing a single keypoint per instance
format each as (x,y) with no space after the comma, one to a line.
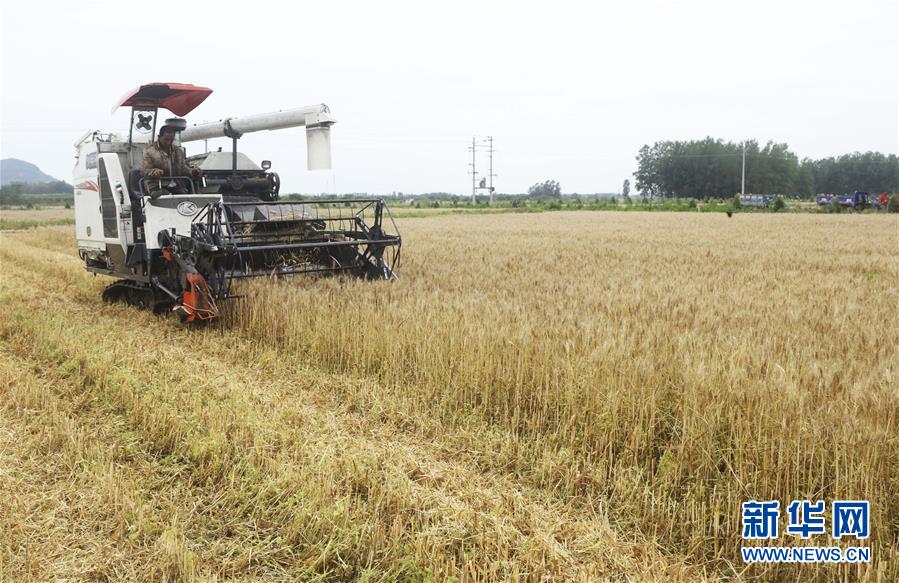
(177,242)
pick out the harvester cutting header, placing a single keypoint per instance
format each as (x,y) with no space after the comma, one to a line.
(176,231)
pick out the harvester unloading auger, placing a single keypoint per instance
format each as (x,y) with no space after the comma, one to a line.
(178,242)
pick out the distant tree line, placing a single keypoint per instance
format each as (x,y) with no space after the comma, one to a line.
(712,168)
(22,192)
(52,187)
(871,171)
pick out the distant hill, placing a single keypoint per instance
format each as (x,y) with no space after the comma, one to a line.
(14,170)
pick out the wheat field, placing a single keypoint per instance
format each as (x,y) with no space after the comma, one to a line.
(564,396)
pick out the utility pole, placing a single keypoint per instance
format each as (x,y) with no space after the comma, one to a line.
(491,174)
(743,177)
(474,173)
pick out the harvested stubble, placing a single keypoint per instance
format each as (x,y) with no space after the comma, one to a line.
(565,396)
(16,219)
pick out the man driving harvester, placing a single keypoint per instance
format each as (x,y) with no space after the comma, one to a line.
(161,158)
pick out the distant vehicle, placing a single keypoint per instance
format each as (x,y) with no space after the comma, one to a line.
(858,200)
(756,200)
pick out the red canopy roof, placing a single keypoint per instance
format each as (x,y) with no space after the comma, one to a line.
(179,98)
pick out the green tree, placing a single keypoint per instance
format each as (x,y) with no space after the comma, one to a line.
(871,171)
(626,187)
(546,189)
(805,179)
(712,168)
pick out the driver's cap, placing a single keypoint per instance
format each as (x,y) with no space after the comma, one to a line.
(174,123)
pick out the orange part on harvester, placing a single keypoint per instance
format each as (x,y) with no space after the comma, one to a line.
(196,301)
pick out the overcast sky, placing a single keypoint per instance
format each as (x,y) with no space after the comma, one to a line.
(569,90)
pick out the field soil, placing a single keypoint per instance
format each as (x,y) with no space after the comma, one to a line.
(558,396)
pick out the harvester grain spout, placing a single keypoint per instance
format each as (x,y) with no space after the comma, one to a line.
(317,120)
(180,241)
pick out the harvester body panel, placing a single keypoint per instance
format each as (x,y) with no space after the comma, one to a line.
(174,213)
(88,222)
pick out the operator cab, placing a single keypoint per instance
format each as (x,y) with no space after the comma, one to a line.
(228,174)
(145,102)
